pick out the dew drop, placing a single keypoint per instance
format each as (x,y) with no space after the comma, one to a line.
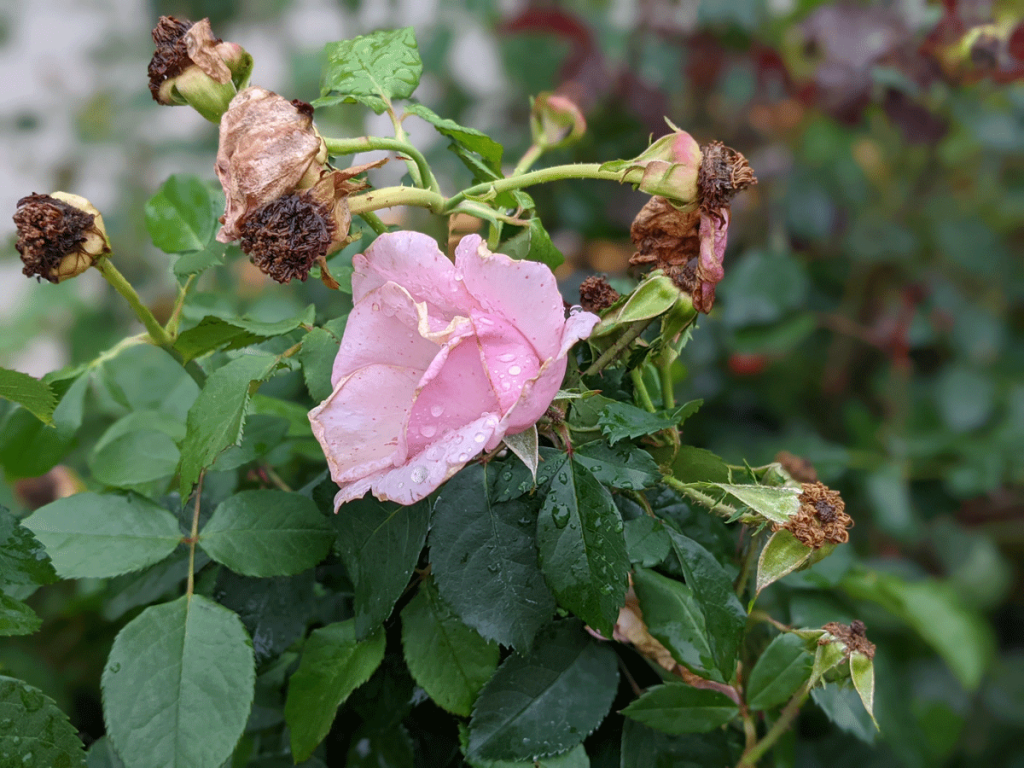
(479,437)
(515,370)
(506,385)
(508,357)
(458,277)
(115,667)
(561,517)
(428,430)
(436,410)
(419,474)
(375,307)
(575,309)
(16,740)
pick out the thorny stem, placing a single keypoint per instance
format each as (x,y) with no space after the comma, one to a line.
(194,537)
(637,375)
(531,156)
(786,718)
(554,173)
(179,303)
(415,172)
(749,729)
(616,349)
(388,197)
(157,333)
(368,143)
(373,222)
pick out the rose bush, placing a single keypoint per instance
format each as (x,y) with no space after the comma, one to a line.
(439,361)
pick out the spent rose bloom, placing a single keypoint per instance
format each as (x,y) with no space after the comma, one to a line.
(439,361)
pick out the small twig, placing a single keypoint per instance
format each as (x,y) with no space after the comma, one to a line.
(609,355)
(194,537)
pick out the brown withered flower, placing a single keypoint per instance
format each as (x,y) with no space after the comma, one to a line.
(191,66)
(596,294)
(268,148)
(822,517)
(689,245)
(288,235)
(59,236)
(854,637)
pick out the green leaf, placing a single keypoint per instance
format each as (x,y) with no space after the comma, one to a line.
(774,504)
(384,65)
(621,466)
(146,378)
(677,708)
(647,542)
(524,711)
(102,535)
(216,419)
(620,421)
(34,730)
(723,615)
(675,620)
(178,685)
(862,672)
(182,215)
(262,435)
(697,465)
(574,758)
(274,611)
(784,666)
(783,554)
(533,244)
(23,558)
(450,661)
(380,544)
(215,332)
(582,549)
(102,755)
(319,348)
(267,533)
(333,665)
(843,708)
(16,618)
(484,556)
(194,262)
(470,138)
(960,635)
(134,458)
(33,395)
(643,747)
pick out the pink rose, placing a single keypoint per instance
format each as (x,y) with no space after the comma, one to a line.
(438,363)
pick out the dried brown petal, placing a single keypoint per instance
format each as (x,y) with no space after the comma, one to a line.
(664,236)
(207,52)
(597,294)
(286,237)
(171,57)
(822,517)
(723,173)
(59,236)
(854,637)
(268,148)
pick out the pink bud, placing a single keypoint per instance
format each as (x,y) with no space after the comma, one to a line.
(669,168)
(556,121)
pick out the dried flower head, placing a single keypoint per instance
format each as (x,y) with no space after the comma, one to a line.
(191,66)
(723,172)
(597,294)
(822,517)
(268,148)
(854,637)
(59,235)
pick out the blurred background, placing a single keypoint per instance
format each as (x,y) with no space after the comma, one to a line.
(871,319)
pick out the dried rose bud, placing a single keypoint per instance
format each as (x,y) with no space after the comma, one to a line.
(821,518)
(59,235)
(191,66)
(597,294)
(669,168)
(555,121)
(288,235)
(854,637)
(723,173)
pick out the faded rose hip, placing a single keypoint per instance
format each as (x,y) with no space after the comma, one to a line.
(59,235)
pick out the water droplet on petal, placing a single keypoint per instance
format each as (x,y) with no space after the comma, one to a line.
(428,430)
(479,437)
(419,474)
(436,410)
(575,309)
(515,370)
(508,357)
(463,457)
(375,307)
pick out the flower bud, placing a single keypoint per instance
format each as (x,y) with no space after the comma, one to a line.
(59,236)
(669,168)
(191,66)
(555,121)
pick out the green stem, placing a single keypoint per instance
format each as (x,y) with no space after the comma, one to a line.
(668,395)
(193,538)
(179,304)
(554,173)
(640,389)
(368,143)
(786,718)
(749,555)
(526,162)
(620,345)
(113,276)
(388,197)
(373,222)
